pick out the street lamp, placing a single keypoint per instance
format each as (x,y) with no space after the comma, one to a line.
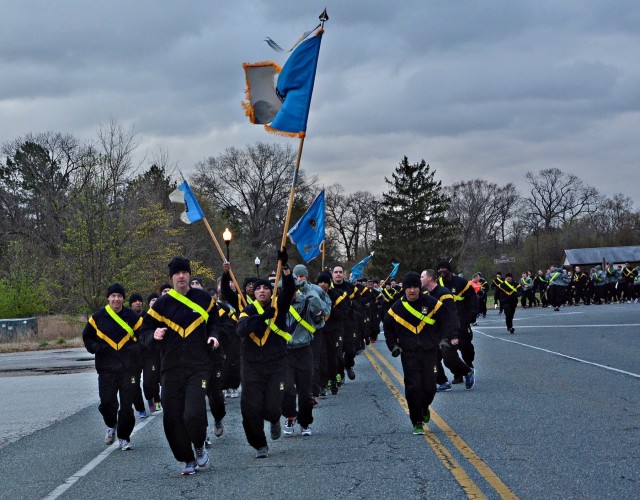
(226,236)
(257,262)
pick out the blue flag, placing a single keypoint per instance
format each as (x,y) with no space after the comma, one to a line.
(192,211)
(308,233)
(358,269)
(394,271)
(295,87)
(284,108)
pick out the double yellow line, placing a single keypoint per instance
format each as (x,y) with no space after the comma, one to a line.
(451,464)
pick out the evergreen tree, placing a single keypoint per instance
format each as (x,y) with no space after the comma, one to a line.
(412,224)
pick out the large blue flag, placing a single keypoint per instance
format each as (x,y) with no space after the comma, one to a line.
(192,211)
(308,232)
(394,271)
(358,269)
(295,87)
(284,109)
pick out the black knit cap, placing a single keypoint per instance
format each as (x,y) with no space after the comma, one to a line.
(152,296)
(165,286)
(178,264)
(444,264)
(411,279)
(248,280)
(323,277)
(116,288)
(262,281)
(135,297)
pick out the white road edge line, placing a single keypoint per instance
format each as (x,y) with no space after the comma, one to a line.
(634,375)
(71,480)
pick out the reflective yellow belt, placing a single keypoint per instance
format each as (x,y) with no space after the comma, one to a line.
(425,319)
(123,325)
(305,324)
(183,332)
(272,328)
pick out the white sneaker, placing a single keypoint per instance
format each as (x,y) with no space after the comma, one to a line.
(110,436)
(233,393)
(202,457)
(306,431)
(289,427)
(125,445)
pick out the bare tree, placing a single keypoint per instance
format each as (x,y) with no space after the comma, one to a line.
(481,211)
(351,219)
(557,198)
(251,187)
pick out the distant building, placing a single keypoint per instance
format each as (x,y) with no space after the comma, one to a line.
(595,256)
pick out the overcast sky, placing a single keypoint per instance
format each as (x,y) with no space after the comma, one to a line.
(478,89)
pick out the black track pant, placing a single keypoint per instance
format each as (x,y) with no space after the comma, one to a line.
(297,384)
(261,398)
(110,386)
(185,410)
(509,313)
(419,369)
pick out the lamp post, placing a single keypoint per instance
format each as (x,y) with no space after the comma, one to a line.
(257,262)
(226,236)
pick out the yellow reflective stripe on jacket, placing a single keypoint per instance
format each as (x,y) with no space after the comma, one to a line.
(457,297)
(174,326)
(425,318)
(513,289)
(340,299)
(190,304)
(222,312)
(305,324)
(553,277)
(107,339)
(446,296)
(121,322)
(414,329)
(270,323)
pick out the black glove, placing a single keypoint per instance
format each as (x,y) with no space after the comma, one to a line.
(269,312)
(283,256)
(445,345)
(396,351)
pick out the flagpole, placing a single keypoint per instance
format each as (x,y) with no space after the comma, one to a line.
(323,254)
(215,240)
(287,220)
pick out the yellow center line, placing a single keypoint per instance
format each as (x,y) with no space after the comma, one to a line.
(483,469)
(471,489)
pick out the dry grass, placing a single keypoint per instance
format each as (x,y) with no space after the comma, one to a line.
(54,332)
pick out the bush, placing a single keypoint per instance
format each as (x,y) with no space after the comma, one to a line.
(22,297)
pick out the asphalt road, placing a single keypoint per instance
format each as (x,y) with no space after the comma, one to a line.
(555,414)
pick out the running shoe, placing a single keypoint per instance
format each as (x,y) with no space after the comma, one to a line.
(418,430)
(189,468)
(470,379)
(202,457)
(446,387)
(110,436)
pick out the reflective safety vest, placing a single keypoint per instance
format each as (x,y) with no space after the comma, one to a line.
(509,292)
(456,297)
(552,278)
(388,296)
(122,323)
(272,328)
(425,319)
(305,324)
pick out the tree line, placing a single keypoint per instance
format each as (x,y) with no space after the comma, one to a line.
(76,216)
